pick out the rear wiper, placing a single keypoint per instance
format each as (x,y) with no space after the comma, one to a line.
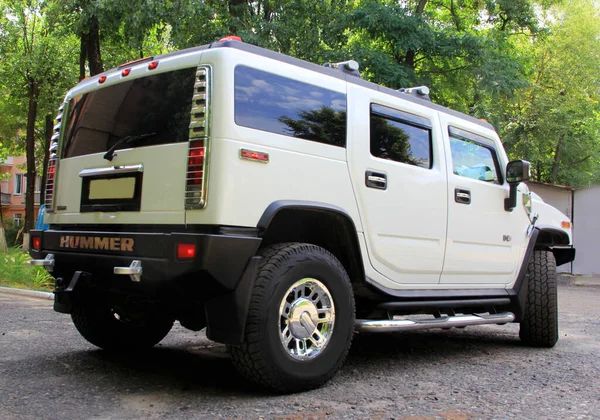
(110,153)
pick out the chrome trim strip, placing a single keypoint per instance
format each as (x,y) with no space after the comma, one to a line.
(367,325)
(112,170)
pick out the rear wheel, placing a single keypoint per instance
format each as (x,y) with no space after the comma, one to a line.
(300,321)
(117,329)
(539,326)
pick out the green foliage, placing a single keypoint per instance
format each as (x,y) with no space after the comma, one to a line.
(13,233)
(529,67)
(14,272)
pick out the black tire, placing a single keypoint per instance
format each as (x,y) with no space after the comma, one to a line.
(106,328)
(262,357)
(539,326)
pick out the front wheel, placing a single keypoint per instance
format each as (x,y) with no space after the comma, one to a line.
(539,326)
(115,329)
(300,321)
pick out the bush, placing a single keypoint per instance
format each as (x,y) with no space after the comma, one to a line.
(14,236)
(14,272)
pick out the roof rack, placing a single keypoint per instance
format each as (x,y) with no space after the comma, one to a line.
(349,67)
(421,92)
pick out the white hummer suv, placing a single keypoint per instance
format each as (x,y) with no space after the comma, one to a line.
(285,206)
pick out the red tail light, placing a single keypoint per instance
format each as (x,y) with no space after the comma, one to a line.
(36,243)
(52,162)
(186,251)
(197,164)
(50,180)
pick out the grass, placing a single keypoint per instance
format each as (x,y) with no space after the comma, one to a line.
(14,272)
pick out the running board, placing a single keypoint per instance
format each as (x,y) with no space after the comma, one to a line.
(390,325)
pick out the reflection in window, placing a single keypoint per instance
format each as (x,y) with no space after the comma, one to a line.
(156,107)
(400,141)
(273,103)
(473,160)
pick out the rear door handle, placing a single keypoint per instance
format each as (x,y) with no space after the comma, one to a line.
(376,180)
(462,196)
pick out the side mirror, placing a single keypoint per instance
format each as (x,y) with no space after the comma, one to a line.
(517,171)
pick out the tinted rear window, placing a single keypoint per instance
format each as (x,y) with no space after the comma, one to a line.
(269,102)
(156,108)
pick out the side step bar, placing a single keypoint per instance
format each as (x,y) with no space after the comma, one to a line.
(390,325)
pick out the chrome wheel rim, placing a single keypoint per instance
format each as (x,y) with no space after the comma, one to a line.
(306,319)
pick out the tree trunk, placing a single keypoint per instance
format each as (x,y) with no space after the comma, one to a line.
(556,163)
(236,12)
(93,48)
(3,246)
(48,130)
(33,88)
(409,59)
(82,55)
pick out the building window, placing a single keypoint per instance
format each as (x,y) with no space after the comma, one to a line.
(400,136)
(18,187)
(38,184)
(269,102)
(18,218)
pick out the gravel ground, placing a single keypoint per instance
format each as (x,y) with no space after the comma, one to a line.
(48,371)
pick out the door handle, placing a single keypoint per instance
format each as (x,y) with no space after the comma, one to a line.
(376,180)
(462,196)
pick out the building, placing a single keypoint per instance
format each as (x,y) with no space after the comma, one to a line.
(581,205)
(12,186)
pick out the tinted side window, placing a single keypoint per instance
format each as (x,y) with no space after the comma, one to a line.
(268,102)
(474,160)
(403,138)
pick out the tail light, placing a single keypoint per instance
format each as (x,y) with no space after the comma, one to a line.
(36,243)
(52,163)
(197,168)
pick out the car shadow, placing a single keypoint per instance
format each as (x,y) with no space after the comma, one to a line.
(206,368)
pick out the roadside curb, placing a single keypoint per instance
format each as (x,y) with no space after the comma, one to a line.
(28,293)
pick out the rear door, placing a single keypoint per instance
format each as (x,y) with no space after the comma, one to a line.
(124,148)
(398,171)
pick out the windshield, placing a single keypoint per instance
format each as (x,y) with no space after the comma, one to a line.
(159,105)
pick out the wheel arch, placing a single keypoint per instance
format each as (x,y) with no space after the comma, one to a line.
(321,224)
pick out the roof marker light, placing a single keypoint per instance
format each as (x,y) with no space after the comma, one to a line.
(102,79)
(125,72)
(153,65)
(231,38)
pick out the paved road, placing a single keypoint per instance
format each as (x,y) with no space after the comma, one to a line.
(48,371)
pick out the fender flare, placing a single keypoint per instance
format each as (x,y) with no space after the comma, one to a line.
(276,206)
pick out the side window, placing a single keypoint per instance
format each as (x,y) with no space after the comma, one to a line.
(269,102)
(400,136)
(473,159)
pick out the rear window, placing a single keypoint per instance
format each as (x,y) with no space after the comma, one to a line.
(269,102)
(144,112)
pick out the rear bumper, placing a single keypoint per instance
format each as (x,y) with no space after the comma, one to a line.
(219,260)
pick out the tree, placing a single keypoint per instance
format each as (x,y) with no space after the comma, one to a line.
(30,69)
(554,122)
